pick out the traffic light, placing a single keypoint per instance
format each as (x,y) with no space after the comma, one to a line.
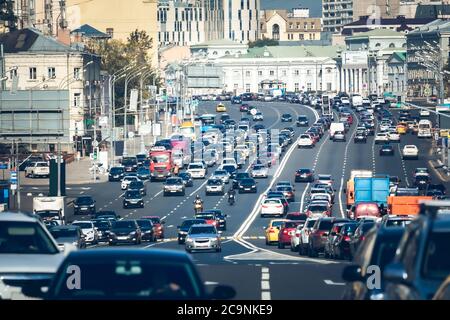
(95,156)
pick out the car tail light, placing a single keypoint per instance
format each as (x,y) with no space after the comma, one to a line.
(264,206)
(271,230)
(285,231)
(362,238)
(279,206)
(346,238)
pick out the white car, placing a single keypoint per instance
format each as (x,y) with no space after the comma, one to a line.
(295,238)
(215,186)
(381,137)
(127,180)
(305,141)
(37,169)
(260,171)
(268,98)
(321,197)
(424,113)
(258,117)
(89,231)
(304,235)
(394,136)
(197,170)
(227,147)
(244,149)
(325,178)
(384,126)
(222,175)
(410,152)
(272,207)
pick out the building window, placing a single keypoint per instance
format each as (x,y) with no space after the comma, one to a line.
(13,73)
(309,86)
(291,26)
(260,73)
(296,87)
(272,73)
(308,72)
(247,87)
(378,45)
(110,32)
(298,25)
(284,73)
(328,86)
(248,73)
(276,32)
(77,99)
(227,52)
(236,85)
(215,53)
(305,26)
(391,45)
(301,37)
(33,73)
(297,72)
(51,73)
(76,73)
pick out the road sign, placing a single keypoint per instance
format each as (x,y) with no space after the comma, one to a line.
(253,112)
(13,177)
(3,165)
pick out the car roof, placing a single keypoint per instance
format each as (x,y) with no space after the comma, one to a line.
(67,227)
(18,217)
(113,254)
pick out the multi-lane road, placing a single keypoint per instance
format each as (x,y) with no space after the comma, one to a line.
(255,270)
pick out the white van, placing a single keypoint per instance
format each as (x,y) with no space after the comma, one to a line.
(357,100)
(335,127)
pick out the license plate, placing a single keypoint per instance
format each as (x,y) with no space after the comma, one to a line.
(84,208)
(122,238)
(173,190)
(247,189)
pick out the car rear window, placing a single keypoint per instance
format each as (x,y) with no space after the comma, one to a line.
(272,201)
(436,263)
(325,225)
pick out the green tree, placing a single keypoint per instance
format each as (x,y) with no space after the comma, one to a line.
(263,43)
(7,17)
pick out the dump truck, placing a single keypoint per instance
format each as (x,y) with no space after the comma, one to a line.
(405,205)
(372,189)
(350,190)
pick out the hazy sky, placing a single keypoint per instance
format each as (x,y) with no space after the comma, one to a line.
(315,6)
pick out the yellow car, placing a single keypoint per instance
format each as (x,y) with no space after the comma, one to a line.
(221,108)
(402,128)
(273,229)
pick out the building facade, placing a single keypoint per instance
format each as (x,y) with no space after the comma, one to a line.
(377,9)
(283,25)
(241,20)
(397,69)
(336,14)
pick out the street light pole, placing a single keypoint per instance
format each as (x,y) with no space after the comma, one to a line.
(127,79)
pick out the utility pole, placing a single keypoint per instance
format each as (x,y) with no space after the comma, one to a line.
(58,163)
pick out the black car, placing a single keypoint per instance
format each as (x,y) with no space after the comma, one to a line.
(360,137)
(133,199)
(341,245)
(143,173)
(103,227)
(130,164)
(286,117)
(140,159)
(147,230)
(238,177)
(422,260)
(258,127)
(436,190)
(68,235)
(378,249)
(387,150)
(130,275)
(291,130)
(220,218)
(125,231)
(116,174)
(185,226)
(358,236)
(106,215)
(224,117)
(187,179)
(236,100)
(84,205)
(421,182)
(138,185)
(247,185)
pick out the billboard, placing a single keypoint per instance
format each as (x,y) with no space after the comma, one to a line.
(354,59)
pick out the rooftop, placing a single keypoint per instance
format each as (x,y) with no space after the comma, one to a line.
(222,42)
(90,32)
(378,33)
(436,25)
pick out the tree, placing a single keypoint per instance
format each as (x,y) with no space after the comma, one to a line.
(263,43)
(7,17)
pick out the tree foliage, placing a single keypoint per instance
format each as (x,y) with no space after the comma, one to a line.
(263,43)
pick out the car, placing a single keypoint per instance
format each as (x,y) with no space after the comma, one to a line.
(258,116)
(197,170)
(158,225)
(339,136)
(89,231)
(286,117)
(70,235)
(116,174)
(436,189)
(325,179)
(287,230)
(381,137)
(84,205)
(147,230)
(139,186)
(185,226)
(421,172)
(305,141)
(402,128)
(341,244)
(424,113)
(187,179)
(243,107)
(222,175)
(208,217)
(410,152)
(143,173)
(259,171)
(130,164)
(288,192)
(393,136)
(238,177)
(236,100)
(214,186)
(364,226)
(133,199)
(247,185)
(387,150)
(421,181)
(221,108)
(319,234)
(290,129)
(106,215)
(318,209)
(378,249)
(305,232)
(39,169)
(302,121)
(103,227)
(174,185)
(296,216)
(220,218)
(395,221)
(321,197)
(203,237)
(360,137)
(127,180)
(125,231)
(272,207)
(272,230)
(332,238)
(304,175)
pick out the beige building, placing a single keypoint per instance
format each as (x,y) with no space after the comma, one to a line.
(118,18)
(283,25)
(376,8)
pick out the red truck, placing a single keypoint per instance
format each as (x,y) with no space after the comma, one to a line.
(161,163)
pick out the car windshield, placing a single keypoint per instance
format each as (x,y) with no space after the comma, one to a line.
(84,200)
(310,223)
(436,264)
(325,225)
(290,225)
(317,208)
(205,216)
(220,173)
(398,223)
(277,223)
(123,224)
(24,238)
(188,223)
(129,161)
(129,279)
(133,194)
(136,185)
(41,164)
(83,225)
(202,230)
(258,167)
(272,201)
(215,182)
(172,182)
(161,158)
(101,224)
(195,166)
(144,223)
(64,232)
(284,188)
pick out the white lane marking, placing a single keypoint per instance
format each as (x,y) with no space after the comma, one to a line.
(265,276)
(29,194)
(81,192)
(208,283)
(405,173)
(331,283)
(265,296)
(265,285)
(163,218)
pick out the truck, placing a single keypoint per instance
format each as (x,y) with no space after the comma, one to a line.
(335,127)
(161,163)
(425,129)
(181,150)
(372,189)
(187,129)
(357,100)
(49,208)
(405,205)
(350,189)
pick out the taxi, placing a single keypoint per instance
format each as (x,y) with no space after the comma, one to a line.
(273,229)
(221,108)
(402,128)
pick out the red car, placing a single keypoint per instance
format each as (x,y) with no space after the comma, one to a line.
(350,119)
(158,226)
(297,216)
(315,137)
(243,108)
(287,230)
(208,217)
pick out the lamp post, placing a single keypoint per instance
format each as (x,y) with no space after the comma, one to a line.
(127,79)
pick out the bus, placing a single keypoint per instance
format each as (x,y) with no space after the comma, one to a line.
(187,129)
(208,120)
(425,129)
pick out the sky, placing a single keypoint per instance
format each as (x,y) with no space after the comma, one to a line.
(315,6)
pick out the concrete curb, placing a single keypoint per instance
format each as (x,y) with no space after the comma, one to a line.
(442,176)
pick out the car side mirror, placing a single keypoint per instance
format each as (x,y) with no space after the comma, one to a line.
(222,292)
(33,289)
(352,273)
(395,272)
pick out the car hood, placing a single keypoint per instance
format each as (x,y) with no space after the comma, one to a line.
(202,235)
(30,263)
(122,230)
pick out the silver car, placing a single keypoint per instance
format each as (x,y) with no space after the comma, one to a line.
(223,175)
(260,171)
(203,237)
(339,136)
(215,186)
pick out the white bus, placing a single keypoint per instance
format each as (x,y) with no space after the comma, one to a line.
(425,129)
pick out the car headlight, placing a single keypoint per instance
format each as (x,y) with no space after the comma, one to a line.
(377,296)
(92,205)
(90,232)
(132,233)
(189,240)
(75,206)
(112,234)
(182,232)
(75,243)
